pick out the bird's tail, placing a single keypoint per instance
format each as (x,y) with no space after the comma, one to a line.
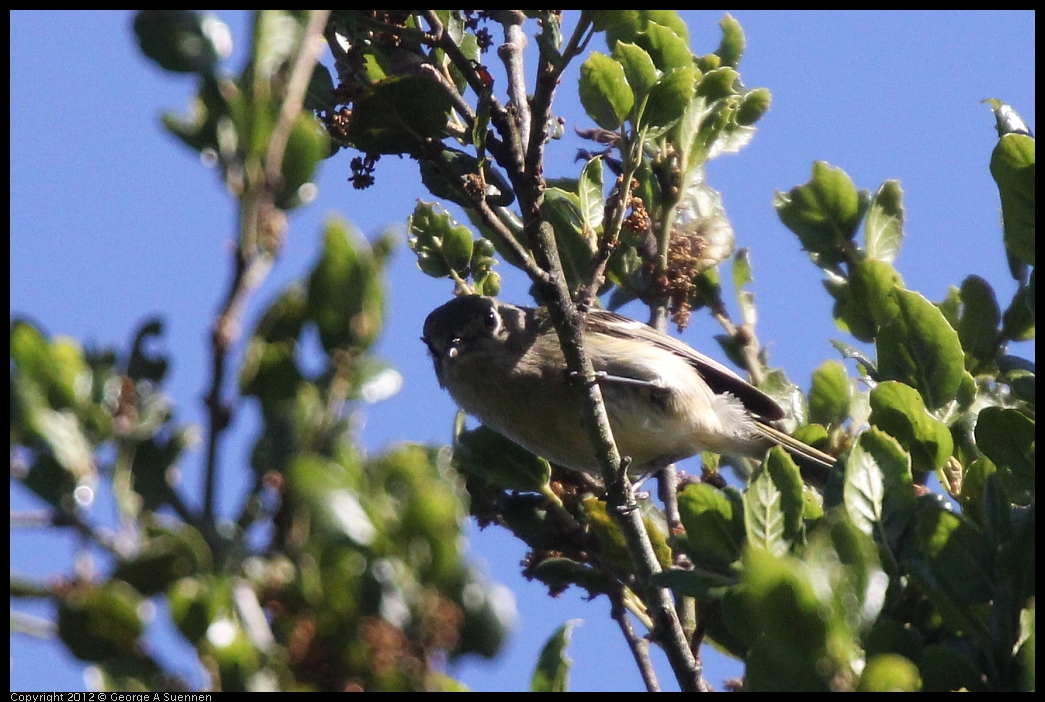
(814,464)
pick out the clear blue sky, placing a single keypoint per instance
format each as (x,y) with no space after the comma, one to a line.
(111,220)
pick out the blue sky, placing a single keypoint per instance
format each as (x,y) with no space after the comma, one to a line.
(112,221)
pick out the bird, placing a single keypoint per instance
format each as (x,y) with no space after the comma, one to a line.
(504,365)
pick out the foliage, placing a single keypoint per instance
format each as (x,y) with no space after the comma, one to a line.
(339,570)
(912,569)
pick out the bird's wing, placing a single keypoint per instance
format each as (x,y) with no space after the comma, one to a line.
(718,377)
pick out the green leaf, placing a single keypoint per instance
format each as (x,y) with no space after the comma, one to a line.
(604,91)
(893,465)
(866,301)
(1012,165)
(668,98)
(890,672)
(951,563)
(864,490)
(788,481)
(714,524)
(742,278)
(1018,322)
(731,48)
(397,115)
(345,296)
(618,23)
(562,210)
(175,40)
(898,410)
(638,67)
(919,348)
(553,665)
(166,556)
(440,243)
(785,618)
(755,104)
(51,481)
(144,365)
(698,583)
(825,212)
(589,189)
(718,84)
(449,175)
(884,226)
(974,482)
(1006,436)
(56,368)
(308,144)
(830,394)
(320,93)
(1020,376)
(667,47)
(978,322)
(764,515)
(503,463)
(947,667)
(98,622)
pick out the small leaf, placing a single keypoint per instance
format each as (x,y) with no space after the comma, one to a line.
(731,48)
(890,672)
(144,365)
(638,67)
(866,302)
(667,47)
(669,97)
(553,665)
(589,188)
(952,565)
(345,295)
(830,394)
(308,144)
(898,410)
(718,84)
(486,454)
(1018,321)
(99,622)
(714,524)
(978,322)
(562,210)
(397,114)
(441,244)
(1012,166)
(756,103)
(864,490)
(764,515)
(320,93)
(787,480)
(884,226)
(1006,436)
(825,212)
(604,91)
(919,348)
(175,40)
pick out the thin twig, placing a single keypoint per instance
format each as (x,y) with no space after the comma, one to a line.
(300,76)
(260,229)
(40,519)
(638,645)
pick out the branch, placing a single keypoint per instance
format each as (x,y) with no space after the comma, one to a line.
(261,230)
(569,324)
(40,519)
(511,54)
(639,646)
